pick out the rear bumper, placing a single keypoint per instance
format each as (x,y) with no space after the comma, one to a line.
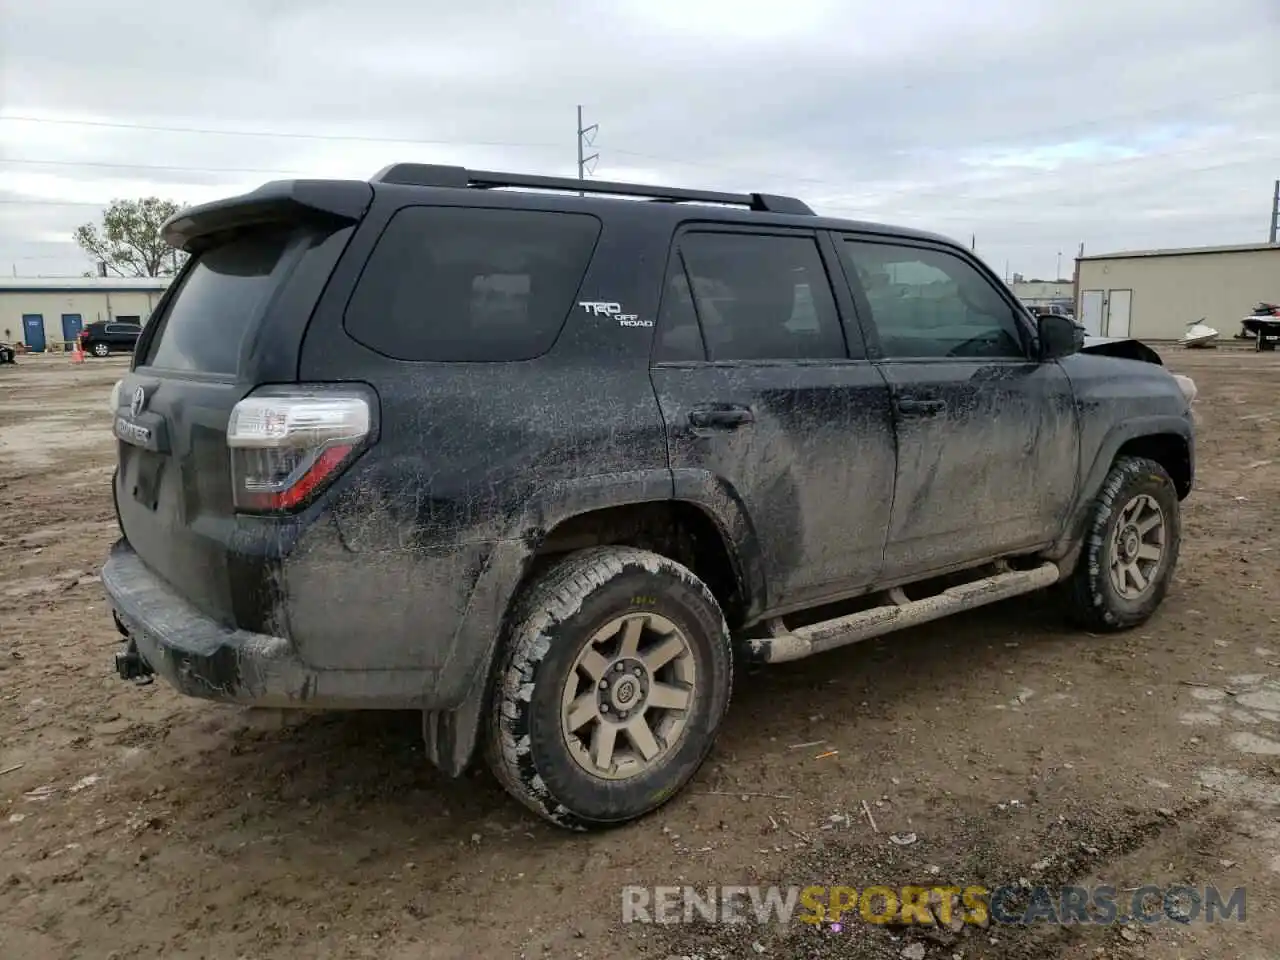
(202,658)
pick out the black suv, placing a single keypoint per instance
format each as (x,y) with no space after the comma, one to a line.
(541,458)
(115,336)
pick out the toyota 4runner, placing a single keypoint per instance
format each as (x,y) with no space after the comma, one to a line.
(542,458)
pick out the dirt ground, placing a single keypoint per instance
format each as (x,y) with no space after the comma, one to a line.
(135,823)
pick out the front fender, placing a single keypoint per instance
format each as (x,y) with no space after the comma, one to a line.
(1104,456)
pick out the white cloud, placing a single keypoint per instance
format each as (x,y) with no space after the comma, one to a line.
(1034,125)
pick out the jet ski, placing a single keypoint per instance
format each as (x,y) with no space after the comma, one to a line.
(1264,320)
(1198,334)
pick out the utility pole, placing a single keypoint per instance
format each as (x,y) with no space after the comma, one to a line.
(586,138)
(1058,275)
(1275,211)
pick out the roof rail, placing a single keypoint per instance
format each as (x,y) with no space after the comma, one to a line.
(439,175)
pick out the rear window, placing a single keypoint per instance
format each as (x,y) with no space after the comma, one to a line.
(221,295)
(460,284)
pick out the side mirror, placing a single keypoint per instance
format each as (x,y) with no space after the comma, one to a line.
(1059,337)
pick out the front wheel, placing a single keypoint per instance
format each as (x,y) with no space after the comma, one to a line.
(1131,548)
(101,350)
(615,678)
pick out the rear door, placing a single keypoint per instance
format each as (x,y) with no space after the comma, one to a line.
(224,328)
(988,440)
(767,405)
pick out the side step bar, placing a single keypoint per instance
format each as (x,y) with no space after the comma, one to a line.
(897,615)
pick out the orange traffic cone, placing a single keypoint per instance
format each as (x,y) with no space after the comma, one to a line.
(77,355)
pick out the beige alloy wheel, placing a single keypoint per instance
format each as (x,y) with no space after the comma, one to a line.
(628,697)
(1137,546)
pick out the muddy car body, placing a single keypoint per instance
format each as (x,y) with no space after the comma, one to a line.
(541,465)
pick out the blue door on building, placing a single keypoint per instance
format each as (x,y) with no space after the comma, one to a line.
(71,326)
(33,331)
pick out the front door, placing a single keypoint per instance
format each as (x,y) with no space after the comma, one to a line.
(987,435)
(1119,303)
(71,326)
(768,410)
(1091,312)
(33,332)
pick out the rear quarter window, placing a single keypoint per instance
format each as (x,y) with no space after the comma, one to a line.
(220,297)
(468,284)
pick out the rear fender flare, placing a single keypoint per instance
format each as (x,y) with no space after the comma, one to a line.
(450,736)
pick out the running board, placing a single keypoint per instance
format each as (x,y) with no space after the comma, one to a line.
(897,615)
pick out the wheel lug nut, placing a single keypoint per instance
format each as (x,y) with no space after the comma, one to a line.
(604,708)
(604,684)
(636,671)
(619,667)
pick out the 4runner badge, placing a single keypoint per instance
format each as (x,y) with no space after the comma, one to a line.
(605,308)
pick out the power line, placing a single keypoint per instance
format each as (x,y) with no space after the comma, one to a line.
(146,166)
(53,203)
(285,135)
(124,165)
(833,204)
(362,138)
(1093,122)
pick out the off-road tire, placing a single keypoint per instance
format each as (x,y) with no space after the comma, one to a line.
(551,625)
(1094,602)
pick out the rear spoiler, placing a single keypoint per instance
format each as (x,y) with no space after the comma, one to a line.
(333,202)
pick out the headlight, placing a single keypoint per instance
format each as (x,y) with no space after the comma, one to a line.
(1187,386)
(115,396)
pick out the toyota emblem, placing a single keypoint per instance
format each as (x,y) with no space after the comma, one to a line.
(139,401)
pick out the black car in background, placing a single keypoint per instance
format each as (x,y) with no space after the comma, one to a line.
(114,336)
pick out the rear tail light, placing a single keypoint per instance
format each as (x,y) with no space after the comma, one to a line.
(288,444)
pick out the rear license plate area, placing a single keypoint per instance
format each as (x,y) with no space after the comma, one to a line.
(144,479)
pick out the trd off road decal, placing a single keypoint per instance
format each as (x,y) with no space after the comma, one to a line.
(604,308)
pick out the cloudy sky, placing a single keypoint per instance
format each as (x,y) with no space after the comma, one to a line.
(1035,125)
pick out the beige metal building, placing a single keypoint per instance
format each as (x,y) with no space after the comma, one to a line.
(45,313)
(1156,294)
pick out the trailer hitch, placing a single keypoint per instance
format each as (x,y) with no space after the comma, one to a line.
(131,666)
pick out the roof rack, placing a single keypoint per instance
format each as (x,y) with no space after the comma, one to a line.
(439,175)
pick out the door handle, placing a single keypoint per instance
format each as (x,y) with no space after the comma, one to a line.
(914,407)
(726,416)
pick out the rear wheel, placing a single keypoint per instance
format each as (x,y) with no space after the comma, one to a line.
(100,350)
(1131,547)
(615,679)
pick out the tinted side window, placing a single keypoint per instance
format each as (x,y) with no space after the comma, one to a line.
(456,283)
(927,303)
(762,297)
